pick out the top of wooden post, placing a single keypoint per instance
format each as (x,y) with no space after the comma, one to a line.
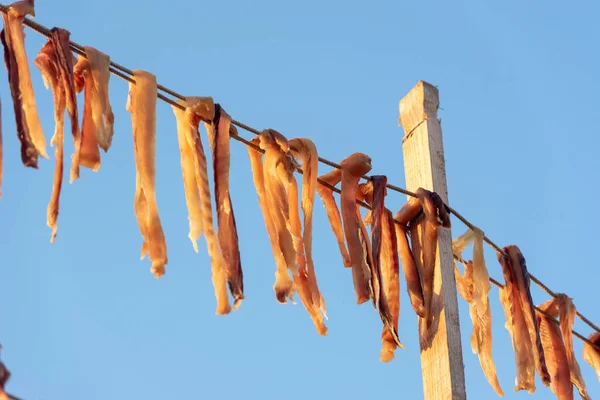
(420,104)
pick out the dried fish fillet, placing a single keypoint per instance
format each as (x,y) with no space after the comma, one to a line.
(55,62)
(429,249)
(186,137)
(591,354)
(411,273)
(65,61)
(390,269)
(197,189)
(333,214)
(305,150)
(277,175)
(522,277)
(353,168)
(89,155)
(102,114)
(29,128)
(282,289)
(566,313)
(521,342)
(557,341)
(529,352)
(478,282)
(141,103)
(218,136)
(385,266)
(556,356)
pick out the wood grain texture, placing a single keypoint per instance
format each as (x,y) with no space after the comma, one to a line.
(424,166)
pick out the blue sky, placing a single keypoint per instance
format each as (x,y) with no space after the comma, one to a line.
(84,318)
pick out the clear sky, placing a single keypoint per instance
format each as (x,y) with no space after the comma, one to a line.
(84,318)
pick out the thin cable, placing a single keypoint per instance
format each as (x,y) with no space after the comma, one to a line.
(550,317)
(122,72)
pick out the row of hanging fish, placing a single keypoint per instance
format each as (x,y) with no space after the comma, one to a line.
(375,268)
(539,343)
(374,263)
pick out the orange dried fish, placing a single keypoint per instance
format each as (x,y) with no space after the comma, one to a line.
(556,355)
(277,173)
(476,294)
(55,62)
(385,266)
(102,114)
(353,168)
(89,156)
(411,273)
(517,261)
(391,283)
(529,352)
(429,249)
(558,347)
(141,103)
(29,128)
(566,313)
(521,342)
(333,214)
(259,183)
(218,136)
(197,189)
(65,61)
(592,355)
(306,151)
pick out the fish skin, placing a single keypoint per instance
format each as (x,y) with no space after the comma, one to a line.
(522,279)
(391,281)
(29,127)
(29,154)
(555,352)
(196,185)
(515,324)
(52,61)
(218,134)
(333,214)
(276,173)
(66,60)
(411,273)
(373,192)
(429,250)
(353,168)
(567,312)
(141,103)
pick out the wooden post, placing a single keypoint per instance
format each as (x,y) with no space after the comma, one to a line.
(424,166)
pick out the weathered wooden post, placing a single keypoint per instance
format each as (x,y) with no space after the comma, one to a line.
(424,166)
